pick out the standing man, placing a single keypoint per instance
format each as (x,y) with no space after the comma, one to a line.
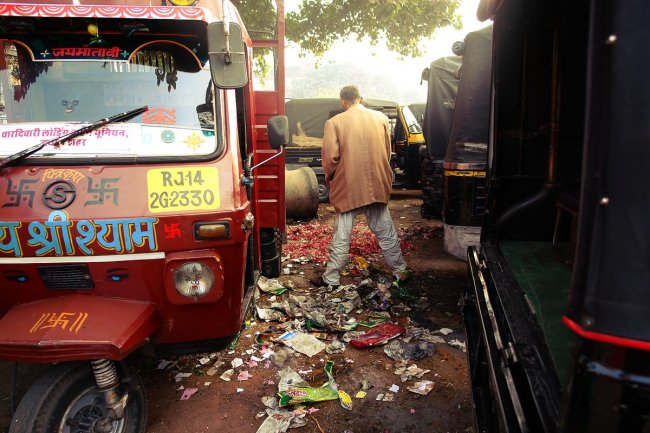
(356,159)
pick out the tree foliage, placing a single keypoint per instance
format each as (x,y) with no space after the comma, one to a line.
(318,24)
(258,16)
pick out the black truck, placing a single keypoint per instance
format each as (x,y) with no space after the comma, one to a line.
(557,311)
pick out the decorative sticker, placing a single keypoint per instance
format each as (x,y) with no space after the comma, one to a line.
(111,139)
(194,140)
(67,321)
(183,189)
(172,230)
(119,139)
(19,193)
(77,53)
(160,116)
(167,136)
(110,11)
(103,190)
(62,173)
(58,236)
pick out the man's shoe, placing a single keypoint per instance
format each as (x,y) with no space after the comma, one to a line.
(403,276)
(318,282)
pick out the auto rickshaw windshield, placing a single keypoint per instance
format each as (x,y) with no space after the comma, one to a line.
(411,122)
(43,99)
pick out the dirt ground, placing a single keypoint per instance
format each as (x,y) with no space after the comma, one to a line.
(430,302)
(434,290)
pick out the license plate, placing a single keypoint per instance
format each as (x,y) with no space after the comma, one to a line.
(183,189)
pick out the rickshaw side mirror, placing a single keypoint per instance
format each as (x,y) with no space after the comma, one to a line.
(278,129)
(227,50)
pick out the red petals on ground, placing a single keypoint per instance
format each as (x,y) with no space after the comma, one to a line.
(312,240)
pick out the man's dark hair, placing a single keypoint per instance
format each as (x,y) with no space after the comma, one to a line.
(350,93)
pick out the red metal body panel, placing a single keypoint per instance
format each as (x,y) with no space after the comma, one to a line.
(142,269)
(75,327)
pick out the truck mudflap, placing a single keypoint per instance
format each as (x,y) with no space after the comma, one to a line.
(514,385)
(76,327)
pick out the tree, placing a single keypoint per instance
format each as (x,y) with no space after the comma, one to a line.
(318,24)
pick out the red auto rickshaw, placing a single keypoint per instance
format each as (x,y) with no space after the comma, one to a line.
(143,228)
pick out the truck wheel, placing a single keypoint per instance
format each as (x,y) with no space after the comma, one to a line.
(66,400)
(323,192)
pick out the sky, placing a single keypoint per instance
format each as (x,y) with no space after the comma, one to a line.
(405,73)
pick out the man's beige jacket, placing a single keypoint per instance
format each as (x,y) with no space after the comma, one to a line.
(356,158)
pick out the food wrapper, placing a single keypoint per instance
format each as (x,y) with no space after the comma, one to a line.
(307,395)
(346,401)
(378,335)
(304,394)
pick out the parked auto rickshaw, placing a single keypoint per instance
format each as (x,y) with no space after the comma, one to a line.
(557,308)
(466,156)
(442,84)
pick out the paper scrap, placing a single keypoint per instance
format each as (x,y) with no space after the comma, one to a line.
(457,344)
(188,392)
(304,343)
(269,285)
(181,376)
(227,375)
(163,364)
(422,387)
(244,375)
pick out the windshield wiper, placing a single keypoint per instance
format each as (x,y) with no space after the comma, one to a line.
(56,142)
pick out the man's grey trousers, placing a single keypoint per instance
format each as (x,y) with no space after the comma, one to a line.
(381,224)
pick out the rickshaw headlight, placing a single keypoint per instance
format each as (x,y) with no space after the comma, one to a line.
(193,279)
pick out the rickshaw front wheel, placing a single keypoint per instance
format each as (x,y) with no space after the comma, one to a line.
(66,400)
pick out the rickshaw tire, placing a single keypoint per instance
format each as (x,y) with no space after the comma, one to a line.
(44,404)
